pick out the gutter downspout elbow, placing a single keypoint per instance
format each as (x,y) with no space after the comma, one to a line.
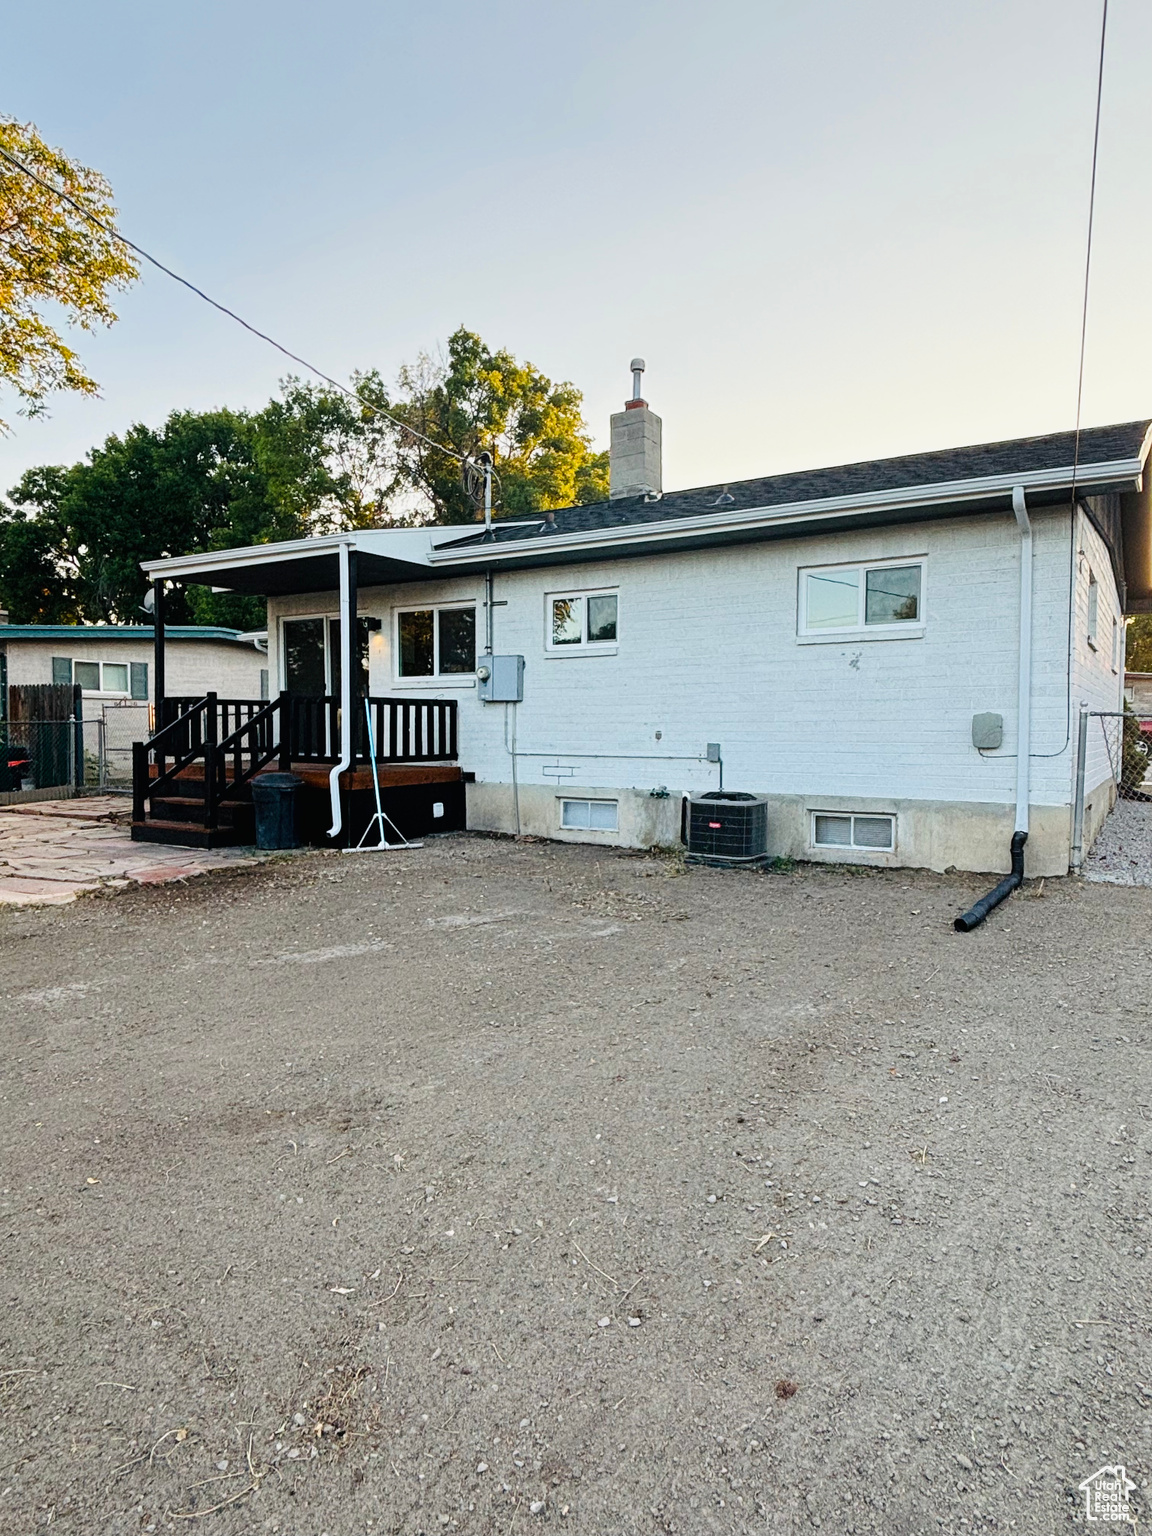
(977,913)
(347,634)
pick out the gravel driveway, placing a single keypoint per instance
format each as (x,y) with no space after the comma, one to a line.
(508,1187)
(1122,852)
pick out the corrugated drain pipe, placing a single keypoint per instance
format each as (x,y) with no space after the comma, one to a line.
(976,914)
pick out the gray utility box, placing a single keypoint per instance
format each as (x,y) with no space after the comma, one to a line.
(504,683)
(987,732)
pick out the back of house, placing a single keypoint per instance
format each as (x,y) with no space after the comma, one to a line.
(895,654)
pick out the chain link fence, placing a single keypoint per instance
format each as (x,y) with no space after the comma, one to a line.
(119,726)
(81,754)
(40,754)
(1112,832)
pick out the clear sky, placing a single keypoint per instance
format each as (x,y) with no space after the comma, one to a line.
(836,229)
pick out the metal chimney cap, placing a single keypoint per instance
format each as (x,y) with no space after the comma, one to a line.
(637,365)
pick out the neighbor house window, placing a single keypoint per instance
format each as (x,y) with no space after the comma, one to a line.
(832,829)
(581,620)
(861,597)
(1093,609)
(590,815)
(102,676)
(436,642)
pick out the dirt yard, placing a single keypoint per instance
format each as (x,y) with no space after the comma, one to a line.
(501,1187)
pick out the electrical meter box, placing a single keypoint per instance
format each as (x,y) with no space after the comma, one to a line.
(504,683)
(987,732)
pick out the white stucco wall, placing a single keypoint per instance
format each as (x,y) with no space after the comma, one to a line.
(708,651)
(192,666)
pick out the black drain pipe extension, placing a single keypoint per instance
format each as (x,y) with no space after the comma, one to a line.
(976,915)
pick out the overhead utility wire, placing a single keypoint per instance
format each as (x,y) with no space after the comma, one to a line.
(1080,392)
(1088,249)
(224,310)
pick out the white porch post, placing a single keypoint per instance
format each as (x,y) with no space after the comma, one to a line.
(347,652)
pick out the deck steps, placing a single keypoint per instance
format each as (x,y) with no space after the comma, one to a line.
(186,834)
(178,815)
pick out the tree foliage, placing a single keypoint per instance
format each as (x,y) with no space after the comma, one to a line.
(475,399)
(52,257)
(1138,651)
(72,540)
(314,460)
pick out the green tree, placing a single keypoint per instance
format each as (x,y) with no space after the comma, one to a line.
(72,540)
(52,258)
(1138,652)
(475,400)
(314,460)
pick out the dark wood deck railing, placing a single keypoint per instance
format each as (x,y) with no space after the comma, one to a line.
(237,738)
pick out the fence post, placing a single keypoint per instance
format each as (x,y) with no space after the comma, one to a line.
(1078,802)
(211,737)
(139,778)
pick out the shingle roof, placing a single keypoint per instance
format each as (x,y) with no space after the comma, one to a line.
(1022,455)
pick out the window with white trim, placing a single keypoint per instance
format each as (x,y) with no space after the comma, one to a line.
(436,642)
(850,829)
(590,815)
(882,597)
(581,621)
(102,676)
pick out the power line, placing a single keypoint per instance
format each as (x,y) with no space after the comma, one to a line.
(1079,400)
(224,310)
(1088,248)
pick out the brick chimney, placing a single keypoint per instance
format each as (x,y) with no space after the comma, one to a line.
(634,455)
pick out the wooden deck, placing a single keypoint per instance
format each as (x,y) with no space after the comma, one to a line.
(419,798)
(388,774)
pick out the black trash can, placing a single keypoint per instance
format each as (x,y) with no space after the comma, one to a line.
(275,797)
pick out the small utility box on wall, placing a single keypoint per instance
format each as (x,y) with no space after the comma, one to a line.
(501,679)
(987,732)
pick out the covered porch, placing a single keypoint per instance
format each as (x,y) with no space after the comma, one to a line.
(192,779)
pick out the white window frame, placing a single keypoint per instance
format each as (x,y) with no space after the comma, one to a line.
(582,647)
(441,679)
(589,800)
(853,846)
(900,629)
(115,693)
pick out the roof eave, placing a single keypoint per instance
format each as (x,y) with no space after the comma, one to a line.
(1120,474)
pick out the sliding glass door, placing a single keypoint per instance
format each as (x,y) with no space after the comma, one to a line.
(312,657)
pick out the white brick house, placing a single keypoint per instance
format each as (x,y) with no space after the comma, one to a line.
(836,633)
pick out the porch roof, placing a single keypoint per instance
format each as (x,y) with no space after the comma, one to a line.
(304,565)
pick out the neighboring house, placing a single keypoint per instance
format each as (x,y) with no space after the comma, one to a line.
(1138,693)
(112,663)
(870,646)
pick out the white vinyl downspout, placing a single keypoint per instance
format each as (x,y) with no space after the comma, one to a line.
(1024,685)
(347,640)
